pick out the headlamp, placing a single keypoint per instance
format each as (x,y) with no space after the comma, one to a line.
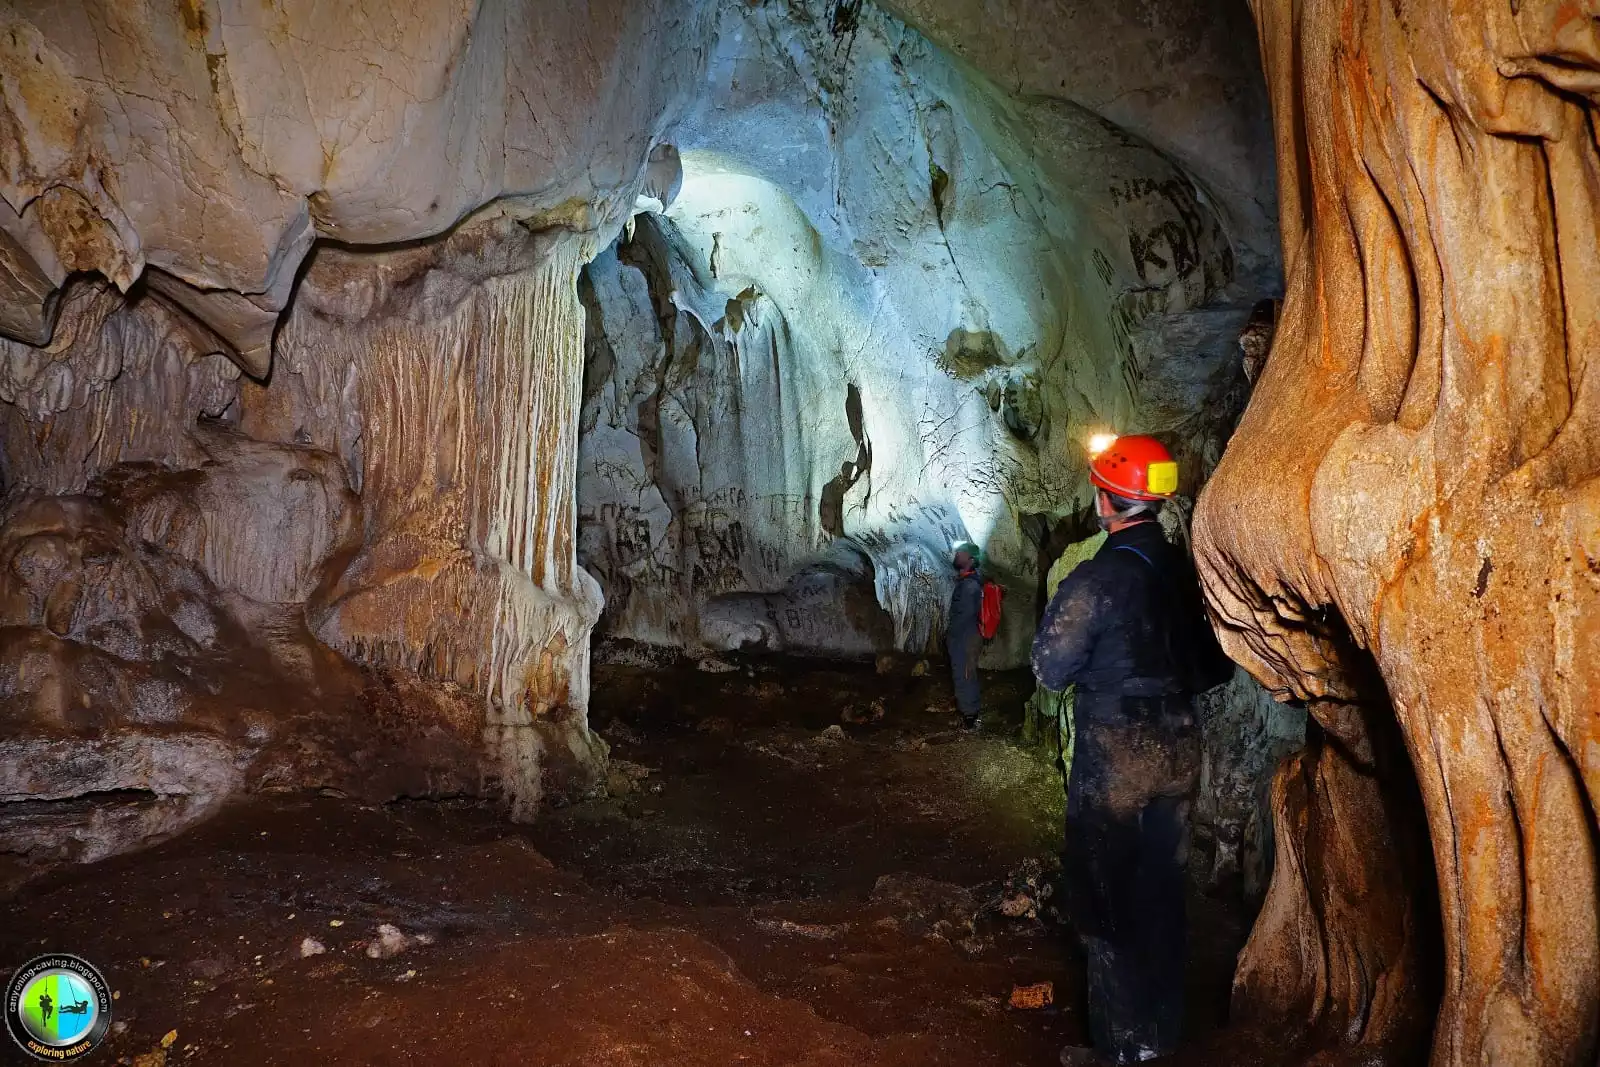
(1099,442)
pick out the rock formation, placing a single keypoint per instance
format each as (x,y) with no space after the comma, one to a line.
(351,565)
(886,309)
(305,121)
(1413,488)
(357,358)
(447,378)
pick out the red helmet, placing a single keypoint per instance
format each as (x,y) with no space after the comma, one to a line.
(1137,467)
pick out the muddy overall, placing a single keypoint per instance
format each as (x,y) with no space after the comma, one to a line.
(1127,629)
(1135,768)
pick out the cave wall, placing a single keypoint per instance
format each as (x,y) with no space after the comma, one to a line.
(885,310)
(302,121)
(1178,74)
(140,369)
(1246,736)
(301,431)
(292,375)
(710,460)
(1413,485)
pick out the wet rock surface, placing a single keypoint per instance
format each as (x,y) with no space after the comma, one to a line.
(780,901)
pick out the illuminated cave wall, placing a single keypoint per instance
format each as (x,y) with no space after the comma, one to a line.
(311,413)
(887,307)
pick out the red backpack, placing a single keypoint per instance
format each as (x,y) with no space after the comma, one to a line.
(989,613)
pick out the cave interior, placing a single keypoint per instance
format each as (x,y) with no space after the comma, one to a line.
(479,483)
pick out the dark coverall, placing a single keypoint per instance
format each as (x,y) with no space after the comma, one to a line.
(964,642)
(1127,628)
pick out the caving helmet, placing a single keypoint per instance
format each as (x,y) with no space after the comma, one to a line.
(1135,467)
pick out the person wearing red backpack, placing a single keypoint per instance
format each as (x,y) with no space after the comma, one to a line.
(1128,630)
(964,634)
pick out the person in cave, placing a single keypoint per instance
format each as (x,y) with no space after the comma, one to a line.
(963,636)
(1128,629)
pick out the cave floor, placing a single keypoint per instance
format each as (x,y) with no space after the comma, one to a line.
(767,894)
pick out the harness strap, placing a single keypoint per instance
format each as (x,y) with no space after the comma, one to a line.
(1136,552)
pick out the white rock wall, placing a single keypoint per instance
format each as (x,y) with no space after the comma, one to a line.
(910,298)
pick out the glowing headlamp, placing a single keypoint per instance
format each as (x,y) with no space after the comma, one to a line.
(1099,442)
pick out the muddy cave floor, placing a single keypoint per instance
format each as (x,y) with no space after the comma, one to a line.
(767,894)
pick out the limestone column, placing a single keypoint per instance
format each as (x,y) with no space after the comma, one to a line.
(449,377)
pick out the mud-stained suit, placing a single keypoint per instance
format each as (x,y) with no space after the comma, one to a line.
(1128,630)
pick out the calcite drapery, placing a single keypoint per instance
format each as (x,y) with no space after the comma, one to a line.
(449,377)
(192,155)
(1418,467)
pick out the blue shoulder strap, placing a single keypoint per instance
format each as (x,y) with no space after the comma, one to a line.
(1136,552)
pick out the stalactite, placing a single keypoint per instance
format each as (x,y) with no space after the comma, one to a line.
(117,383)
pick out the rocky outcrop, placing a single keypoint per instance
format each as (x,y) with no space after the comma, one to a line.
(221,581)
(1246,735)
(1415,477)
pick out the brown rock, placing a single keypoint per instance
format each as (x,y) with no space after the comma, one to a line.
(1415,477)
(1033,997)
(1343,944)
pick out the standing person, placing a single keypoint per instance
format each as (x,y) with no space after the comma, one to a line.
(1128,629)
(963,639)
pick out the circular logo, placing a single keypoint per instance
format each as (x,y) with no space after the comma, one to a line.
(58,1008)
